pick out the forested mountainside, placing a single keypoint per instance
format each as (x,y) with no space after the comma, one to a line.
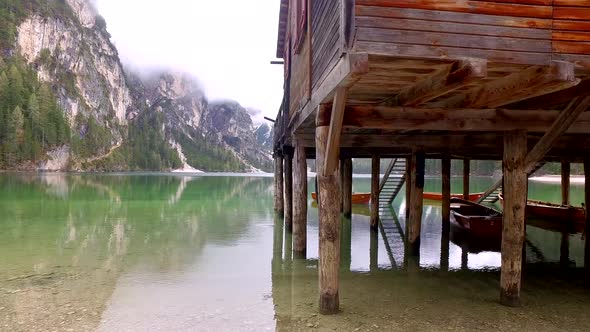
(67,103)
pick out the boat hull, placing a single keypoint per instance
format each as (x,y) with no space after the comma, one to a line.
(438,196)
(360,198)
(479,221)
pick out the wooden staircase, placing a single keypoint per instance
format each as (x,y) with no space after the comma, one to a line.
(391,229)
(492,195)
(392,182)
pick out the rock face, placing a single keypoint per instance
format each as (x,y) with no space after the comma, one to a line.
(73,53)
(192,120)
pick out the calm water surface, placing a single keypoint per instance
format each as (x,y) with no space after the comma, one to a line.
(205,253)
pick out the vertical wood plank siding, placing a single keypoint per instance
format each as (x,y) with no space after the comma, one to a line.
(325,41)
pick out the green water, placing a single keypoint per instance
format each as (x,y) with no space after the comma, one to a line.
(205,253)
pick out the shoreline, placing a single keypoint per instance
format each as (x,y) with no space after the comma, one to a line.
(575,179)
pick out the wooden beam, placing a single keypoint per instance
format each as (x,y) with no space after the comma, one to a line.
(560,126)
(349,69)
(279,202)
(468,120)
(300,202)
(443,81)
(333,144)
(556,99)
(347,187)
(446,192)
(329,225)
(416,203)
(288,192)
(513,228)
(532,82)
(466,177)
(375,170)
(565,182)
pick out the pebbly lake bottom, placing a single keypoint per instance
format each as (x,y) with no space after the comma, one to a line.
(205,253)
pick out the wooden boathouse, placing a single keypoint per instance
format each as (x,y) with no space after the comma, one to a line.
(414,79)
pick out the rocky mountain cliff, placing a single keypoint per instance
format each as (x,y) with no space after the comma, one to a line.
(122,120)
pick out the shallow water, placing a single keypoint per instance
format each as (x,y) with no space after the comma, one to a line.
(205,253)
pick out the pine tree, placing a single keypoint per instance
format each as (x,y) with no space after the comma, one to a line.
(14,135)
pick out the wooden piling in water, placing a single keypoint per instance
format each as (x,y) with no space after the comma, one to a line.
(299,202)
(347,187)
(289,191)
(587,204)
(374,252)
(513,232)
(565,182)
(446,193)
(329,220)
(466,177)
(408,188)
(375,170)
(279,201)
(416,203)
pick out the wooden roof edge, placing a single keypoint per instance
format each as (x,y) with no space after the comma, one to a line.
(282,28)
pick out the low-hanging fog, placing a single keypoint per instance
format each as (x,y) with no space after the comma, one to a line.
(226,44)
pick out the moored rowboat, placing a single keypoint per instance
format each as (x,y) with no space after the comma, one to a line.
(554,212)
(438,196)
(478,220)
(357,198)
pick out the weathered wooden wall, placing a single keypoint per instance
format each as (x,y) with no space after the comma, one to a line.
(300,68)
(571,29)
(515,31)
(326,44)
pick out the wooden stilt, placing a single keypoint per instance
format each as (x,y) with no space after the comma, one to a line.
(289,192)
(587,205)
(446,193)
(346,245)
(445,245)
(464,259)
(347,187)
(342,184)
(300,203)
(375,167)
(408,187)
(564,249)
(374,252)
(277,252)
(466,174)
(416,203)
(329,219)
(565,182)
(515,196)
(279,202)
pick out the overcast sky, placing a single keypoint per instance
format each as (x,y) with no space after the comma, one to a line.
(227,44)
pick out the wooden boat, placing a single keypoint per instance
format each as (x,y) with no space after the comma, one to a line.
(357,198)
(555,212)
(438,196)
(476,219)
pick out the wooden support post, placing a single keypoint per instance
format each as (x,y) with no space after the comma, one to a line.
(587,205)
(279,202)
(565,182)
(564,249)
(374,252)
(329,220)
(416,203)
(277,252)
(347,187)
(300,203)
(342,184)
(408,188)
(289,192)
(445,245)
(375,170)
(515,197)
(446,193)
(464,259)
(346,245)
(466,178)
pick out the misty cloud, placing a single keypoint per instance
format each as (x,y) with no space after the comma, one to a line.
(226,44)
